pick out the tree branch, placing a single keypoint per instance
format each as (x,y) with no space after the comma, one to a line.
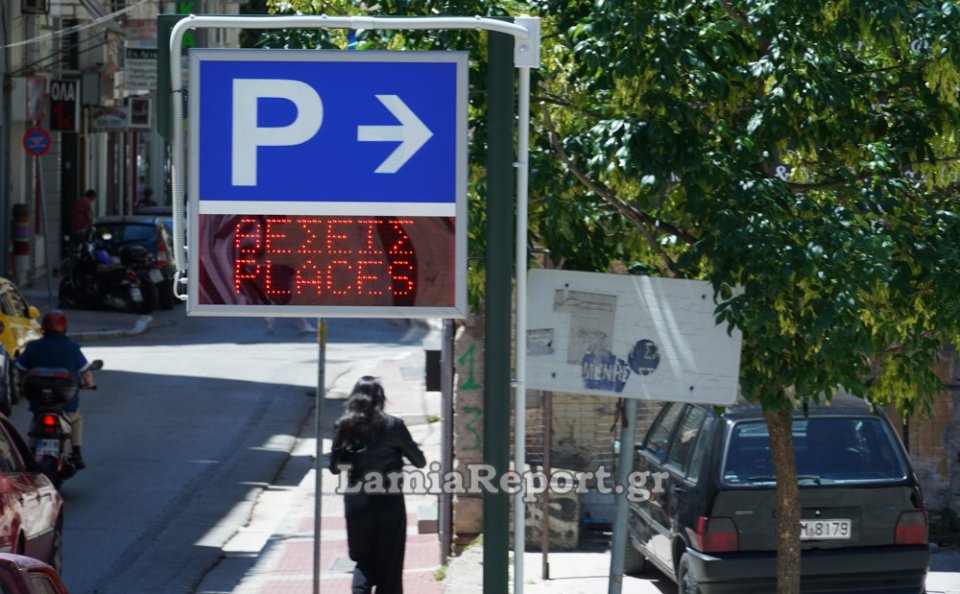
(641,220)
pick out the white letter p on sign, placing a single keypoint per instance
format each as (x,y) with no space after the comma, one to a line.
(247,135)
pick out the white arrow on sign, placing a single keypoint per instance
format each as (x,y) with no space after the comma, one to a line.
(411,133)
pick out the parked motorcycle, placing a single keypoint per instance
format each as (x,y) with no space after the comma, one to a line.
(93,278)
(51,438)
(139,259)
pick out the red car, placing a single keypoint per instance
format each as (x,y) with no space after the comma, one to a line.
(20,574)
(31,509)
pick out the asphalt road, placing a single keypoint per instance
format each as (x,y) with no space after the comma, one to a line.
(192,420)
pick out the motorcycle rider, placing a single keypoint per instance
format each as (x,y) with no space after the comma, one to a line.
(55,349)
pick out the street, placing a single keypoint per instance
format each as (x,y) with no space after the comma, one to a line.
(191,421)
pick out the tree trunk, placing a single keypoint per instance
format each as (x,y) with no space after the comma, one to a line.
(780,425)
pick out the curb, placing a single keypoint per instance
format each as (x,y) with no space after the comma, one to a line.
(465,573)
(139,327)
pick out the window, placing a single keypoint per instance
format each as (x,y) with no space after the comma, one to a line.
(828,450)
(26,456)
(659,435)
(19,304)
(33,6)
(9,461)
(696,459)
(685,437)
(5,305)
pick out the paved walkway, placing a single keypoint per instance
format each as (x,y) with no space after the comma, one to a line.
(284,563)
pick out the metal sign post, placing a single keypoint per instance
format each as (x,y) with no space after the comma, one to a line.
(526,34)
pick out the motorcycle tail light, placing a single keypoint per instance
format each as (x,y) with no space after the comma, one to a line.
(49,424)
(131,275)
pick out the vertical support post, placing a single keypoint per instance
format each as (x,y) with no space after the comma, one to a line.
(446,449)
(45,230)
(628,437)
(520,352)
(497,296)
(547,469)
(318,458)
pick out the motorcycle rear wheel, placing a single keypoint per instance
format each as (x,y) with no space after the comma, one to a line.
(48,465)
(151,297)
(68,298)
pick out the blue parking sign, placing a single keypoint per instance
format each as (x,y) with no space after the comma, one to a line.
(334,127)
(328,182)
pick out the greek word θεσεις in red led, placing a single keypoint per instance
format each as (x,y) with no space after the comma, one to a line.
(289,255)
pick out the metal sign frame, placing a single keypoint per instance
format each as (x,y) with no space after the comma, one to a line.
(456,207)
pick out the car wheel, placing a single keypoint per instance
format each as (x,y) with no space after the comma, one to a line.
(56,546)
(68,295)
(633,560)
(166,298)
(686,580)
(150,296)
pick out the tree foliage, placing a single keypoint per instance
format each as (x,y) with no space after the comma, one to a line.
(806,150)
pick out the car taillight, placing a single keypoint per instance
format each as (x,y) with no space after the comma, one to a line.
(161,254)
(911,528)
(717,535)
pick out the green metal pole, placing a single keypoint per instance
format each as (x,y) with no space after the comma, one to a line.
(497,296)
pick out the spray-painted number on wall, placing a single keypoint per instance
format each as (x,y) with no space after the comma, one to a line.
(467,358)
(472,414)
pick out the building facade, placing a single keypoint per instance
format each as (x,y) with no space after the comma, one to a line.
(78,109)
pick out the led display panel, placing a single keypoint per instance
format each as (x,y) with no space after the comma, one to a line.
(326,261)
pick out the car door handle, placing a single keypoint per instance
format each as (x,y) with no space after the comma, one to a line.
(677,490)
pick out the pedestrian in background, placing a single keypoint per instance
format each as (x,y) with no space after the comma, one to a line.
(82,217)
(367,440)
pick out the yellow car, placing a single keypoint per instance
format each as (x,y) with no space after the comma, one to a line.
(19,324)
(19,321)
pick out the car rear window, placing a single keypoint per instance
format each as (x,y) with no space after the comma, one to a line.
(128,233)
(828,450)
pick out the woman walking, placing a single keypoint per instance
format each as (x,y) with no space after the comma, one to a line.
(368,442)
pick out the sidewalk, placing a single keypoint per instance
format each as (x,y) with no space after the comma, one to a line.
(89,325)
(284,560)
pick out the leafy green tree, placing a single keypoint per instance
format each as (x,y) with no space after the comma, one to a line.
(801,155)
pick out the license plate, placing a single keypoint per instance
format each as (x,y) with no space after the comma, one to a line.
(135,294)
(156,276)
(825,529)
(48,447)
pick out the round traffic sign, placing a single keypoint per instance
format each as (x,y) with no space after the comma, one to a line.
(37,141)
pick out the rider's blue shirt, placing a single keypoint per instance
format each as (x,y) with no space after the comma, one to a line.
(55,350)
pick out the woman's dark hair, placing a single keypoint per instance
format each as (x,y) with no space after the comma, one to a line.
(363,418)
